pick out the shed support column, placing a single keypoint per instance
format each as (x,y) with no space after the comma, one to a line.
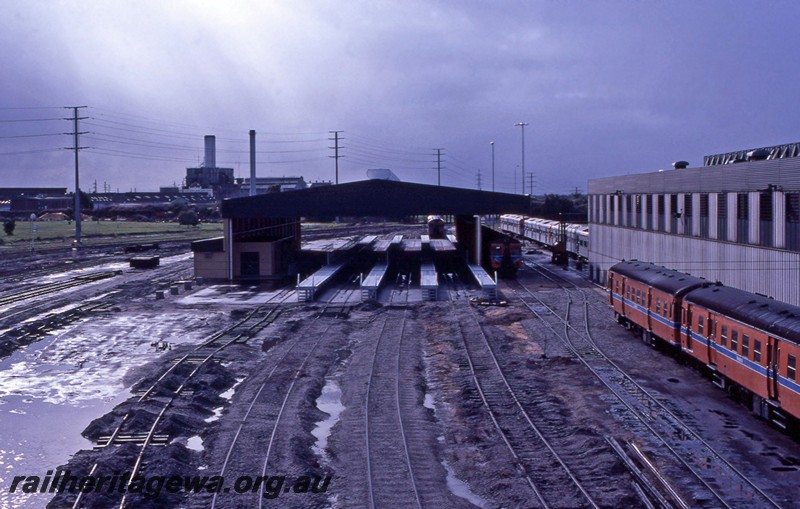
(478,241)
(229,228)
(668,213)
(754,216)
(713,211)
(615,201)
(778,219)
(695,215)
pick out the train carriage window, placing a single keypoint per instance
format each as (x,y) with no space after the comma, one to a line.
(791,368)
(638,296)
(723,336)
(745,345)
(658,306)
(757,350)
(616,286)
(735,340)
(700,325)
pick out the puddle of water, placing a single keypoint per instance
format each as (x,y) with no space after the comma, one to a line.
(217,413)
(330,402)
(52,389)
(195,443)
(227,395)
(461,489)
(428,403)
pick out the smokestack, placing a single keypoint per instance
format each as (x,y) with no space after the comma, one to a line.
(252,162)
(210,160)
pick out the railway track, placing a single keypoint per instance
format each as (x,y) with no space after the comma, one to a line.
(721,483)
(57,287)
(199,357)
(390,475)
(552,481)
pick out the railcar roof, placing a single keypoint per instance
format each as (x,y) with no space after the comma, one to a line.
(667,280)
(767,314)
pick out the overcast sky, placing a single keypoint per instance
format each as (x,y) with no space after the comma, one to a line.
(607,87)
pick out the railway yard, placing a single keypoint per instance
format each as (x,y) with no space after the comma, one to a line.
(390,402)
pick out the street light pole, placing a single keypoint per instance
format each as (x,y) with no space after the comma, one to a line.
(492,144)
(522,125)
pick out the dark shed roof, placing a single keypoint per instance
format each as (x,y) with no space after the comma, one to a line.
(376,198)
(774,317)
(667,280)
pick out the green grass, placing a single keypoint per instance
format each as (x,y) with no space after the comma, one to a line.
(56,233)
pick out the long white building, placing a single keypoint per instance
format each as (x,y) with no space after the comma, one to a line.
(735,220)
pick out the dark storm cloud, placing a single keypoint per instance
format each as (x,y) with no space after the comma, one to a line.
(607,86)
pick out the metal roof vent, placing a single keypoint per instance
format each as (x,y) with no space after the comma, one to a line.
(758,154)
(680,165)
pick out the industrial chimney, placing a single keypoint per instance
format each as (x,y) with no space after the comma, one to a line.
(210,160)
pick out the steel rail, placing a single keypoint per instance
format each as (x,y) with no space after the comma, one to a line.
(660,405)
(522,410)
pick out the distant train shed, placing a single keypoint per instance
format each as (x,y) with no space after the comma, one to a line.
(261,234)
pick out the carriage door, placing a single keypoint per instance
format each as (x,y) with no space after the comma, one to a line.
(712,333)
(772,367)
(686,336)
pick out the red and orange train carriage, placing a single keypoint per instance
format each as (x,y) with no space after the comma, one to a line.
(749,343)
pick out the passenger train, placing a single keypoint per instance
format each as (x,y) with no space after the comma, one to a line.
(749,343)
(436,227)
(549,233)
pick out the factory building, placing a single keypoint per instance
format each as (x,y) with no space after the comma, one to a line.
(735,220)
(209,176)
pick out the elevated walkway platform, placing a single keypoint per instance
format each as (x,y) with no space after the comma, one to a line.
(368,240)
(307,288)
(429,281)
(484,280)
(412,245)
(371,283)
(442,245)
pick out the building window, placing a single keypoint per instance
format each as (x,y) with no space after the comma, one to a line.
(723,336)
(791,368)
(674,213)
(793,221)
(648,223)
(700,325)
(687,215)
(722,216)
(704,216)
(742,219)
(745,345)
(735,340)
(660,227)
(765,218)
(757,350)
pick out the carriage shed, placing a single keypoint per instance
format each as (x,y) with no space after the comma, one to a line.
(261,234)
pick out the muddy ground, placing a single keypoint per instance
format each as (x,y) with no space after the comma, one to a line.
(257,407)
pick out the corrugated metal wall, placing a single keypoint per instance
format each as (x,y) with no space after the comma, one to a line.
(740,177)
(771,272)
